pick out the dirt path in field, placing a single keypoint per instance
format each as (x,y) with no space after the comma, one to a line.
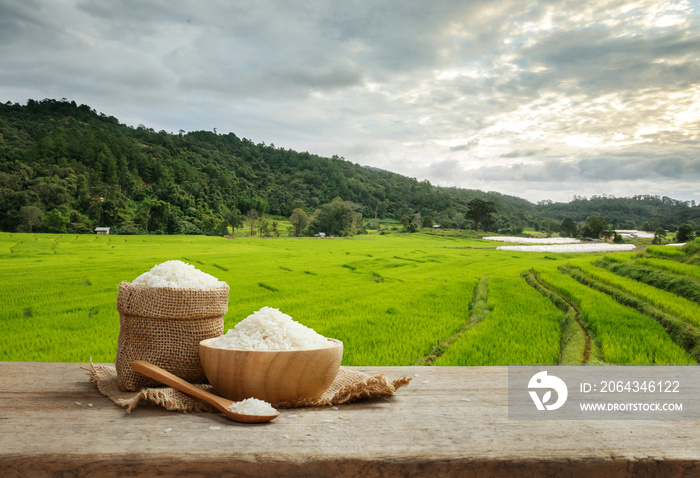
(566,307)
(478,310)
(587,337)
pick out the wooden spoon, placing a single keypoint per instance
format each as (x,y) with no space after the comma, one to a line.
(221,404)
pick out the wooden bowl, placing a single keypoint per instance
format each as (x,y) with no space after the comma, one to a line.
(271,375)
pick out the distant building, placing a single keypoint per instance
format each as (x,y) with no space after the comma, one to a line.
(101,230)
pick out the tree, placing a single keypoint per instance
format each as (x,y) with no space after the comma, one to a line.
(264,228)
(32,216)
(685,233)
(163,217)
(252,217)
(659,234)
(608,233)
(550,226)
(235,219)
(334,219)
(459,220)
(143,211)
(480,212)
(222,228)
(357,225)
(299,220)
(568,227)
(417,220)
(57,219)
(407,223)
(594,227)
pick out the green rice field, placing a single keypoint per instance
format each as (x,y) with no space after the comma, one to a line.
(396,299)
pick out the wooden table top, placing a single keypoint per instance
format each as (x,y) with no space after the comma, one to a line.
(447,421)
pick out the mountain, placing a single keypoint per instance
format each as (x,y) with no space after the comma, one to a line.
(626,212)
(65,167)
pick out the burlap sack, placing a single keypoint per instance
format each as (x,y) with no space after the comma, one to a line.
(349,386)
(164,326)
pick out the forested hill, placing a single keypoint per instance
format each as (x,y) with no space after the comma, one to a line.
(56,154)
(626,212)
(67,167)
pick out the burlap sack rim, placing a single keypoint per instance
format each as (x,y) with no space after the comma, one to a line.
(349,386)
(176,288)
(124,306)
(225,286)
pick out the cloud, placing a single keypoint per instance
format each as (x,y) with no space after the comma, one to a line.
(465,146)
(281,81)
(445,170)
(519,154)
(596,62)
(600,169)
(547,96)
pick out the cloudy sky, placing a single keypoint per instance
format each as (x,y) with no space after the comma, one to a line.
(539,99)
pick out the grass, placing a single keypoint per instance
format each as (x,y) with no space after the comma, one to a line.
(622,334)
(672,266)
(478,311)
(684,334)
(521,327)
(395,299)
(665,251)
(683,286)
(576,346)
(666,301)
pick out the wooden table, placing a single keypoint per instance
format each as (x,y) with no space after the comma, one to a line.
(54,422)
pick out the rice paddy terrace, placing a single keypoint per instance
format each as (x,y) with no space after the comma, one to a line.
(396,299)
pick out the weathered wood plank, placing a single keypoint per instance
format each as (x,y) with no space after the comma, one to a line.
(426,428)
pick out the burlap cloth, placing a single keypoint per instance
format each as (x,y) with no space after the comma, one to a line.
(348,386)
